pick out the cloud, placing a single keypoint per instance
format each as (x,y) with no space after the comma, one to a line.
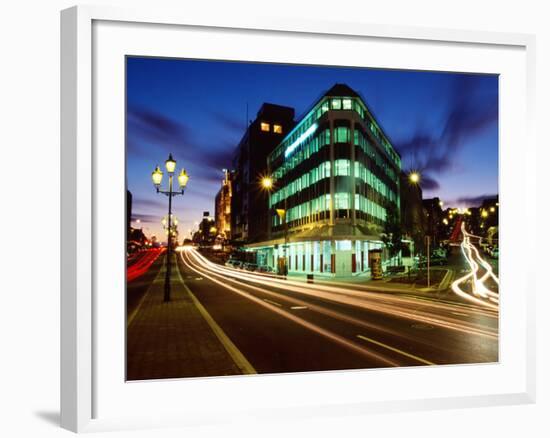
(229,121)
(475,201)
(147,203)
(146,218)
(428,183)
(467,116)
(152,135)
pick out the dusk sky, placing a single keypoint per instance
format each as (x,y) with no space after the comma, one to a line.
(444,124)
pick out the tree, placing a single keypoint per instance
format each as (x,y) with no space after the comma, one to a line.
(392,230)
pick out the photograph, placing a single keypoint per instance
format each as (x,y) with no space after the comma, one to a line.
(291,218)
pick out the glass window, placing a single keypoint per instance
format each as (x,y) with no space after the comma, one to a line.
(341,201)
(336,104)
(324,137)
(342,134)
(343,245)
(342,167)
(264,126)
(346,104)
(277,129)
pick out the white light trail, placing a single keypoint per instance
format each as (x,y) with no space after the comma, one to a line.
(480,294)
(411,309)
(313,327)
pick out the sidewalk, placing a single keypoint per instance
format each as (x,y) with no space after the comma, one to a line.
(178,338)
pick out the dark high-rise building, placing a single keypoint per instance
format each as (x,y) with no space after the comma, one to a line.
(336,177)
(434,220)
(249,202)
(413,220)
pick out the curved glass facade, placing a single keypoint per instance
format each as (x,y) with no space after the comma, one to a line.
(335,174)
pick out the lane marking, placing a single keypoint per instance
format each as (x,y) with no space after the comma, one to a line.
(298,307)
(347,298)
(315,328)
(396,350)
(460,314)
(273,302)
(240,360)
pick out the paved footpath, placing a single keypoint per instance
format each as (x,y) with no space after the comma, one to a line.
(178,338)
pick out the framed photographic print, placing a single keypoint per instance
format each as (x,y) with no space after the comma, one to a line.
(252,209)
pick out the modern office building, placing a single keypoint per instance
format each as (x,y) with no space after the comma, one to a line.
(335,173)
(223,207)
(249,204)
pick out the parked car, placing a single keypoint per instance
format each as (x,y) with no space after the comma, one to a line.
(250,266)
(231,263)
(264,268)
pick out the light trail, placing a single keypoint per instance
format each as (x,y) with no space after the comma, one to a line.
(399,307)
(296,304)
(313,327)
(358,291)
(480,293)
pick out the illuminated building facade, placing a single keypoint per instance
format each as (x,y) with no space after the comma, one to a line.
(223,207)
(335,175)
(249,203)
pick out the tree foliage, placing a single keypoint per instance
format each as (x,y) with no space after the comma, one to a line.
(392,234)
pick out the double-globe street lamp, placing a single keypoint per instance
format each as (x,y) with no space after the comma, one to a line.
(183,178)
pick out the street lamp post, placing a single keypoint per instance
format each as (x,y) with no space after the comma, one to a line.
(182,180)
(267,184)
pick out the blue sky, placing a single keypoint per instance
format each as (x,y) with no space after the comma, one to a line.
(443,124)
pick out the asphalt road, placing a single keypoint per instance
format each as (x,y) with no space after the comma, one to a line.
(287,326)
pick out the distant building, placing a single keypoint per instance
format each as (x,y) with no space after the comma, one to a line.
(336,176)
(128,214)
(136,240)
(207,231)
(413,219)
(249,203)
(434,220)
(223,207)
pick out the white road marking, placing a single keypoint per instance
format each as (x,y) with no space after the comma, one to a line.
(273,302)
(404,353)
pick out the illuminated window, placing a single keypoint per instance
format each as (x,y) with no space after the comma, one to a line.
(341,201)
(336,104)
(342,135)
(264,126)
(346,104)
(342,167)
(277,129)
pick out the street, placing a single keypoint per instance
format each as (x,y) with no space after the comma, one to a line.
(289,326)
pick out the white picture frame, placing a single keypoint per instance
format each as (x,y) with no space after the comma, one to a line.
(80,312)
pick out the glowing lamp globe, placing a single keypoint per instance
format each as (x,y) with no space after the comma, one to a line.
(170,164)
(157,176)
(183,178)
